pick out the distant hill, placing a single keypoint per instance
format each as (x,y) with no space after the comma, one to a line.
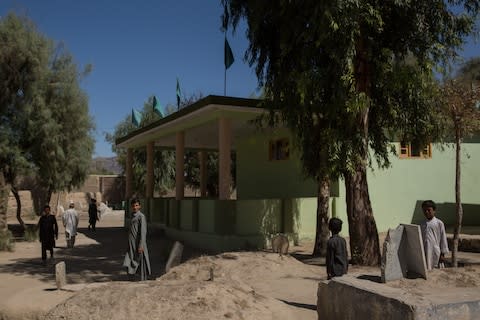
(102,165)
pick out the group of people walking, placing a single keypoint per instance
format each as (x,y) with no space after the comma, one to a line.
(48,227)
(136,262)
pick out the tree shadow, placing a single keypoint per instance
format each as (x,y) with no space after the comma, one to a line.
(97,262)
(307,258)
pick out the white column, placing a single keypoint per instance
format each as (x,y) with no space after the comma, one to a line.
(224,144)
(180,165)
(128,174)
(202,155)
(150,178)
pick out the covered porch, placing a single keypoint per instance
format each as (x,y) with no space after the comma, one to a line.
(262,206)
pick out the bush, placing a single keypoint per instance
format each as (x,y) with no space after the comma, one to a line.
(31,233)
(6,240)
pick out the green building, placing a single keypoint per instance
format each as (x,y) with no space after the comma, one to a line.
(272,195)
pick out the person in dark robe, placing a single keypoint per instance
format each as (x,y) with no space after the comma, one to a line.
(337,259)
(136,258)
(48,229)
(92,214)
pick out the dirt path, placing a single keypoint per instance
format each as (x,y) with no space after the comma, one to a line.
(27,288)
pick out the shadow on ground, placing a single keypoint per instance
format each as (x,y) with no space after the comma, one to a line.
(96,262)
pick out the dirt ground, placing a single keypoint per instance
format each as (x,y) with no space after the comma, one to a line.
(245,285)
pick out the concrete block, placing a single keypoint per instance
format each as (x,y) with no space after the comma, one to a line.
(348,298)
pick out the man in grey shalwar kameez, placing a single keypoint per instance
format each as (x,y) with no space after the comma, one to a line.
(137,254)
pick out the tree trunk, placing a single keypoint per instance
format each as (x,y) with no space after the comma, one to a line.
(19,206)
(49,196)
(3,203)
(322,233)
(458,202)
(364,244)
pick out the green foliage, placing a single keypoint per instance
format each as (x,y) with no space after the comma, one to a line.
(62,133)
(45,128)
(326,63)
(31,233)
(164,160)
(6,240)
(348,76)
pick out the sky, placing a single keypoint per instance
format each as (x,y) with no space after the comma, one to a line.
(140,48)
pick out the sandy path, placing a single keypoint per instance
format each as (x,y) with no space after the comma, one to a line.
(27,288)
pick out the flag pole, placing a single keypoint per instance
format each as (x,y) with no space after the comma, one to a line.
(225,71)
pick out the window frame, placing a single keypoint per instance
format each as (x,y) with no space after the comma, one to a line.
(405,151)
(279,149)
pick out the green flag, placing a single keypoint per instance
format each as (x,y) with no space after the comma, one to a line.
(228,55)
(156,107)
(136,117)
(178,95)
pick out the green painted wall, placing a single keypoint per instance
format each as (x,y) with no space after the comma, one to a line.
(189,214)
(260,178)
(259,217)
(206,216)
(397,193)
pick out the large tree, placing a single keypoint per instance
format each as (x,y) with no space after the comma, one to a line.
(46,130)
(24,55)
(62,131)
(362,69)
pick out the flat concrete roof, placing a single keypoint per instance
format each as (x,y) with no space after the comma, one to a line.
(200,122)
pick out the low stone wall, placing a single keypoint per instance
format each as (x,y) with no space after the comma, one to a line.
(467,243)
(348,298)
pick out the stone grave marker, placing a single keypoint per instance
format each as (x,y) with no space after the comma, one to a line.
(280,244)
(175,256)
(403,254)
(60,275)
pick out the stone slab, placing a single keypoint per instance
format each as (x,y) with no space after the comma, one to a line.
(403,254)
(392,268)
(414,252)
(364,299)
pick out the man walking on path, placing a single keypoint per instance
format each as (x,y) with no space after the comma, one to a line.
(48,228)
(70,222)
(92,214)
(137,254)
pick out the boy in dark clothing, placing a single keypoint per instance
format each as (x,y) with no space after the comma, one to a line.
(337,260)
(48,228)
(92,214)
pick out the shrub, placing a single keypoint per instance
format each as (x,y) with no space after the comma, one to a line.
(6,240)
(31,233)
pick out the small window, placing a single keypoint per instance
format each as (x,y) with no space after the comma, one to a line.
(415,150)
(279,149)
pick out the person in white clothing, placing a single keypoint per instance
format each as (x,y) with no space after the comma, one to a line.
(70,222)
(434,236)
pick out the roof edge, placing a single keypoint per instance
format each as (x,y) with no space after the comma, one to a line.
(208,100)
